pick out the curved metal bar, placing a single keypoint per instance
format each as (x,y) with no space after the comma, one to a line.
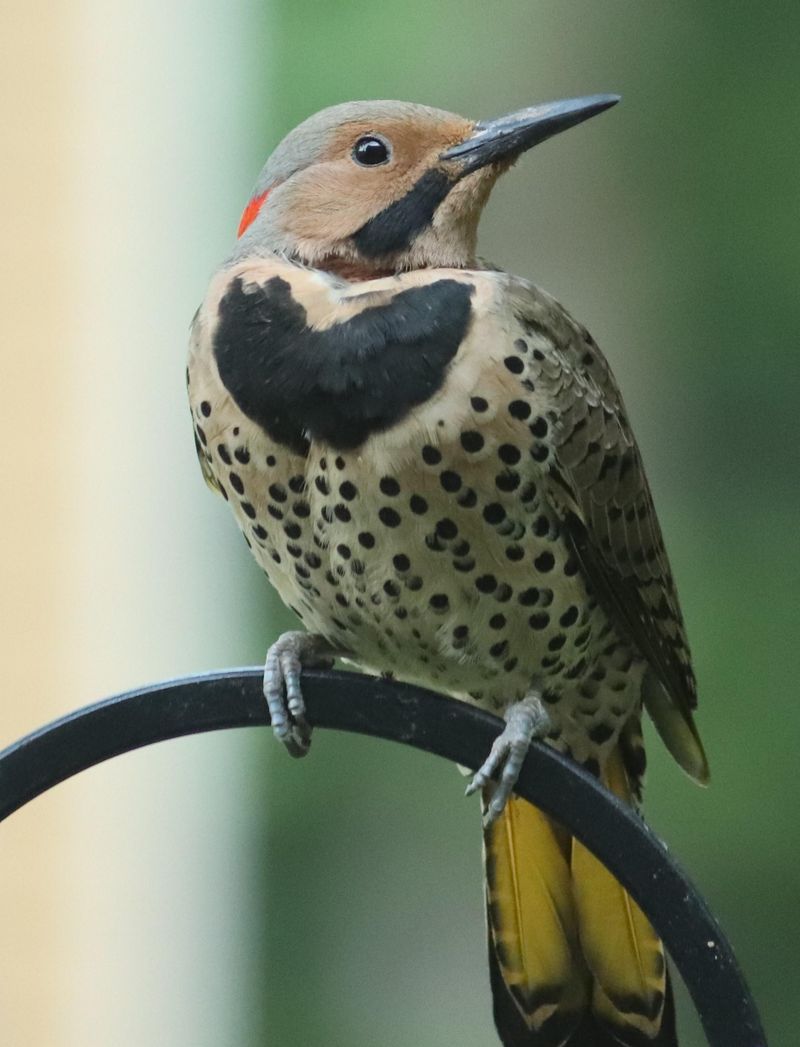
(435,724)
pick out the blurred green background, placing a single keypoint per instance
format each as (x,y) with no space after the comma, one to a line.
(670,228)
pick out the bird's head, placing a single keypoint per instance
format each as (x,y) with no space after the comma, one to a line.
(369,188)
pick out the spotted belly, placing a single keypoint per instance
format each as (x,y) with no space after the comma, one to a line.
(445,573)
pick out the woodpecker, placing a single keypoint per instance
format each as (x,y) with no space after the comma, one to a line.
(431,461)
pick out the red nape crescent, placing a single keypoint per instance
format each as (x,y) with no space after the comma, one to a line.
(250,212)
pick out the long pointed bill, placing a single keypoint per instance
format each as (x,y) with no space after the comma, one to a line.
(508,136)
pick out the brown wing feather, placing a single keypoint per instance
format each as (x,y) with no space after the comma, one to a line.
(599,483)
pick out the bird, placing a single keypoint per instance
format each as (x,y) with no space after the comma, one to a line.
(431,461)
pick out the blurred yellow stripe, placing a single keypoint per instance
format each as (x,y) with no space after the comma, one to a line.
(35,294)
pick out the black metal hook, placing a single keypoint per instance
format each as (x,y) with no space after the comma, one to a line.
(435,724)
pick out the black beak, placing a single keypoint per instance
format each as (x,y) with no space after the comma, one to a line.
(508,136)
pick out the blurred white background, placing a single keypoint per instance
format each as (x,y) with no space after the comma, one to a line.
(122,899)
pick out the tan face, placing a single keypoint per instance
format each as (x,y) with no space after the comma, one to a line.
(370,188)
(367,166)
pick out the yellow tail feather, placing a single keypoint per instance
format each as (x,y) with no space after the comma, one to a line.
(532,918)
(619,944)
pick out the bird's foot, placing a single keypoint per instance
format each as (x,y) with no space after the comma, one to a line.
(525,720)
(287,709)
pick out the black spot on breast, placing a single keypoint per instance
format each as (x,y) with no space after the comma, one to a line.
(396,226)
(600,733)
(509,453)
(494,513)
(471,440)
(544,561)
(446,529)
(507,481)
(344,383)
(541,526)
(520,409)
(388,516)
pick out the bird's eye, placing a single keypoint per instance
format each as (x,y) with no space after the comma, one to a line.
(369,151)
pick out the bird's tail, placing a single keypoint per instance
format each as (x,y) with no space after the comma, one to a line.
(573,959)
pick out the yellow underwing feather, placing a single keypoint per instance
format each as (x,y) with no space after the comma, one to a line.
(532,919)
(621,948)
(676,727)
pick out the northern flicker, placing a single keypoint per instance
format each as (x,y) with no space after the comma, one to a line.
(431,461)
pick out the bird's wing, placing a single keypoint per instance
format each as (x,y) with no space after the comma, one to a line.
(597,481)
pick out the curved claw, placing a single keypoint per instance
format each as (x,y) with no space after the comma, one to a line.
(282,690)
(525,720)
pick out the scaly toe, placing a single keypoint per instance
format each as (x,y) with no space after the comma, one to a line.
(490,766)
(525,720)
(282,689)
